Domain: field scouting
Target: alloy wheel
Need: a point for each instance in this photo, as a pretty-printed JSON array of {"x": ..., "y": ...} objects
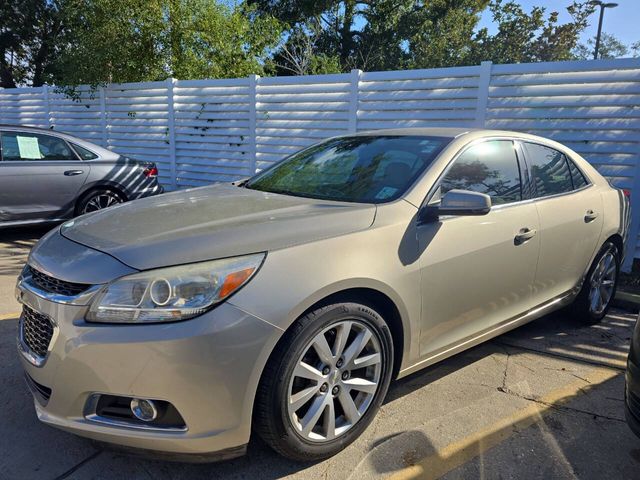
[
  {"x": 334, "y": 380},
  {"x": 602, "y": 283},
  {"x": 100, "y": 201}
]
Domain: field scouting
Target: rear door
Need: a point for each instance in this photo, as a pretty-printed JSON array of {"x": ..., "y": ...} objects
[
  {"x": 40, "y": 176},
  {"x": 570, "y": 211}
]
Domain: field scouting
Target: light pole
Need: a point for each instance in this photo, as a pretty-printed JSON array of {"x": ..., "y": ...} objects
[{"x": 602, "y": 5}]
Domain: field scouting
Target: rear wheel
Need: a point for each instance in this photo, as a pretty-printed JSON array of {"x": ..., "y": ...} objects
[
  {"x": 324, "y": 382},
  {"x": 99, "y": 200},
  {"x": 599, "y": 288}
]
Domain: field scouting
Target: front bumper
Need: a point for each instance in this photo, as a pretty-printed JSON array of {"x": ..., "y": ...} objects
[{"x": 207, "y": 367}]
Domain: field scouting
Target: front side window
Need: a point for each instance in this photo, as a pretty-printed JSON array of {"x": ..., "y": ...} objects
[
  {"x": 549, "y": 170},
  {"x": 366, "y": 169},
  {"x": 489, "y": 167},
  {"x": 27, "y": 146}
]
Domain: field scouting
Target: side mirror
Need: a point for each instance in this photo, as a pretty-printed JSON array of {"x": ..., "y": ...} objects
[{"x": 458, "y": 202}]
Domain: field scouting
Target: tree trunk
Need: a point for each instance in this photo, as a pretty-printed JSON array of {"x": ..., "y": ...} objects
[
  {"x": 346, "y": 35},
  {"x": 6, "y": 77},
  {"x": 39, "y": 64}
]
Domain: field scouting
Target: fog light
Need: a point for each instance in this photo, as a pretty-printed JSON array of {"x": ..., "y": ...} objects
[{"x": 144, "y": 410}]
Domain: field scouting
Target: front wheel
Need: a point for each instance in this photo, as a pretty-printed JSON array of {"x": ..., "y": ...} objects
[
  {"x": 599, "y": 288},
  {"x": 325, "y": 381}
]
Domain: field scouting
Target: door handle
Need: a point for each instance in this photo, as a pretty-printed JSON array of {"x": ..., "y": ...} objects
[
  {"x": 524, "y": 235},
  {"x": 73, "y": 173},
  {"x": 590, "y": 216}
]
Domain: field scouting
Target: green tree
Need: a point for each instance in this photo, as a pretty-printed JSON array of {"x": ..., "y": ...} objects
[
  {"x": 31, "y": 34},
  {"x": 383, "y": 34},
  {"x": 139, "y": 40},
  {"x": 610, "y": 47},
  {"x": 396, "y": 34},
  {"x": 298, "y": 55},
  {"x": 529, "y": 37},
  {"x": 441, "y": 32}
]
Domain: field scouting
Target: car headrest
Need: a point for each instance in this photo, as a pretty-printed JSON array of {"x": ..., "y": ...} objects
[{"x": 397, "y": 174}]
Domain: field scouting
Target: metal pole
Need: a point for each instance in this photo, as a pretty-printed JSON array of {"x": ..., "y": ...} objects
[{"x": 595, "y": 53}]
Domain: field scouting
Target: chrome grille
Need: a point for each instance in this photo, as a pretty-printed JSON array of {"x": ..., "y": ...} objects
[
  {"x": 55, "y": 285},
  {"x": 37, "y": 331}
]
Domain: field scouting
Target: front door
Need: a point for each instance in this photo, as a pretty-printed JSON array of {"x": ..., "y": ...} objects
[
  {"x": 40, "y": 176},
  {"x": 478, "y": 271}
]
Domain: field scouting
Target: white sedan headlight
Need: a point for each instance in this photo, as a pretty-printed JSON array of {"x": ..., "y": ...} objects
[{"x": 174, "y": 293}]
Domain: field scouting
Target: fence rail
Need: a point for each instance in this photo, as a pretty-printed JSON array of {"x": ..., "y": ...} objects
[{"x": 203, "y": 131}]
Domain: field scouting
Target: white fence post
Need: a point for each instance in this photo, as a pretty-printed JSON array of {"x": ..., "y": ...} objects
[
  {"x": 45, "y": 95},
  {"x": 353, "y": 100},
  {"x": 171, "y": 133},
  {"x": 253, "y": 98},
  {"x": 103, "y": 118},
  {"x": 483, "y": 94}
]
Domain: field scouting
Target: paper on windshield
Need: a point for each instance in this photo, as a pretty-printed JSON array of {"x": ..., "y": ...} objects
[{"x": 28, "y": 147}]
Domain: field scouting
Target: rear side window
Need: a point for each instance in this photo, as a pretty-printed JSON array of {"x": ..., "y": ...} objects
[
  {"x": 549, "y": 170},
  {"x": 489, "y": 167},
  {"x": 84, "y": 153},
  {"x": 27, "y": 146},
  {"x": 576, "y": 175}
]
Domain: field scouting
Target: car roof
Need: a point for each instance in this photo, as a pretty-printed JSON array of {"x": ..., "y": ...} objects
[
  {"x": 26, "y": 127},
  {"x": 101, "y": 151},
  {"x": 463, "y": 134},
  {"x": 450, "y": 132}
]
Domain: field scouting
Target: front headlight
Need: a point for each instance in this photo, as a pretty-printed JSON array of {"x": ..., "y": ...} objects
[{"x": 174, "y": 293}]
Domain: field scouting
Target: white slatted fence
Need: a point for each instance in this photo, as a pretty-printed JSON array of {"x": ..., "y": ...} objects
[{"x": 204, "y": 131}]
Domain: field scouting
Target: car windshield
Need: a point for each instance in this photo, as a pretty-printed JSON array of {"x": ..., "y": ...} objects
[{"x": 364, "y": 169}]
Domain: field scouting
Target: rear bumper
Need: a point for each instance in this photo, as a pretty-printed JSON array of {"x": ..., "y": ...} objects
[{"x": 149, "y": 191}]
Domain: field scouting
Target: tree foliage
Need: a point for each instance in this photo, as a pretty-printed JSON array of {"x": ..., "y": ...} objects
[
  {"x": 298, "y": 55},
  {"x": 395, "y": 34},
  {"x": 610, "y": 47},
  {"x": 383, "y": 34},
  {"x": 97, "y": 41},
  {"x": 30, "y": 41},
  {"x": 529, "y": 37},
  {"x": 72, "y": 42},
  {"x": 136, "y": 40}
]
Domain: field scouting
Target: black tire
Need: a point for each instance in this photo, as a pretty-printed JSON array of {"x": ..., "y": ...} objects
[
  {"x": 581, "y": 308},
  {"x": 271, "y": 418},
  {"x": 85, "y": 201}
]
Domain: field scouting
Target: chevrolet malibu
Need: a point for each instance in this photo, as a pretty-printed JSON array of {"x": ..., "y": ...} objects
[{"x": 285, "y": 304}]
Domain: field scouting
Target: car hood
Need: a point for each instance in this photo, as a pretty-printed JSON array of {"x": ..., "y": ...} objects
[{"x": 212, "y": 222}]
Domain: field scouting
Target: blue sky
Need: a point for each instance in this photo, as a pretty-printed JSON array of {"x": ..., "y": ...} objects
[{"x": 621, "y": 21}]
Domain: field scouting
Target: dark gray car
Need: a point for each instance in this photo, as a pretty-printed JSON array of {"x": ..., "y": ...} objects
[{"x": 48, "y": 176}]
